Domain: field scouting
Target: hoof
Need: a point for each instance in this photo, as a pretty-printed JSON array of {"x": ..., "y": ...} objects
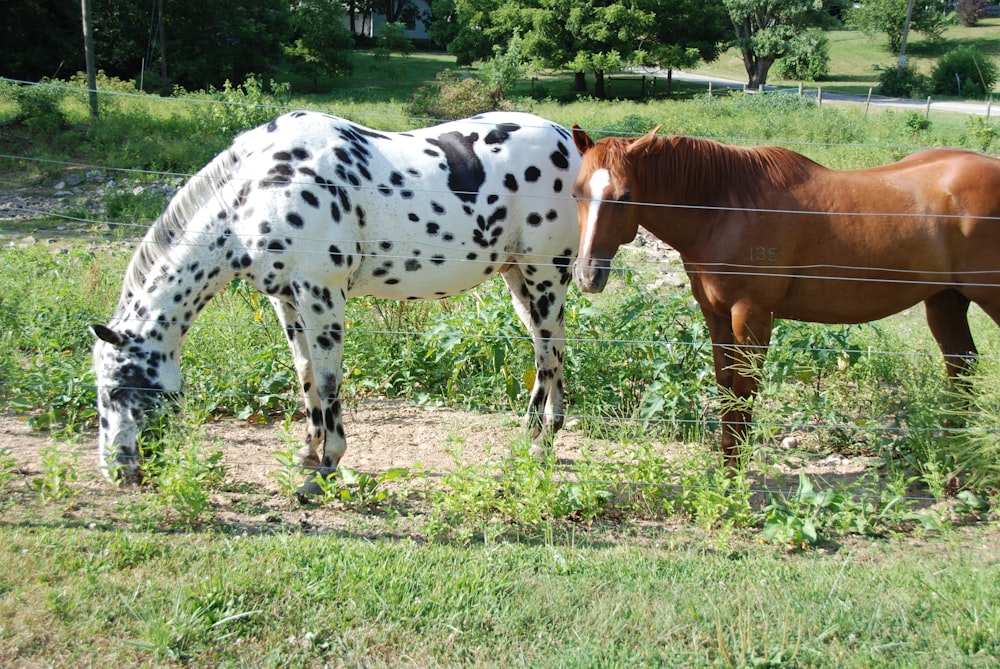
[
  {"x": 311, "y": 488},
  {"x": 538, "y": 451}
]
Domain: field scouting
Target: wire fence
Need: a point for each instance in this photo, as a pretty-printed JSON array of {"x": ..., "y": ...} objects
[{"x": 88, "y": 230}]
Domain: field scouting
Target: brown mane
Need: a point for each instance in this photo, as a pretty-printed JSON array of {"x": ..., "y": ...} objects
[{"x": 698, "y": 170}]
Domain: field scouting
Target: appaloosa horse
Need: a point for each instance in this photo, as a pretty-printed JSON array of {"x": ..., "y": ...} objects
[
  {"x": 766, "y": 233},
  {"x": 312, "y": 209}
]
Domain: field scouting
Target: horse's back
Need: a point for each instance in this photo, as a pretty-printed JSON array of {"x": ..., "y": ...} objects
[{"x": 418, "y": 214}]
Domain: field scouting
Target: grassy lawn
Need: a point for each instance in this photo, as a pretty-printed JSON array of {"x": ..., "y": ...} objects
[
  {"x": 74, "y": 594},
  {"x": 855, "y": 58}
]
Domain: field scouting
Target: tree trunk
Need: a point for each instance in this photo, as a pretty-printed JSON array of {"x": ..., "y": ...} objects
[
  {"x": 599, "y": 91},
  {"x": 162, "y": 33},
  {"x": 757, "y": 69}
]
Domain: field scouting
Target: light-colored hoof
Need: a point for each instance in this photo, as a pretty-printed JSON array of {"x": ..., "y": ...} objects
[{"x": 537, "y": 452}]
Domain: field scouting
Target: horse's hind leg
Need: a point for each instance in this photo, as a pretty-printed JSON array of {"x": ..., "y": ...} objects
[
  {"x": 308, "y": 456},
  {"x": 539, "y": 296},
  {"x": 947, "y": 316},
  {"x": 315, "y": 331}
]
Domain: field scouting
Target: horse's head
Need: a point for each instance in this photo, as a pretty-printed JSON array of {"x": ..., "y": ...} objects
[
  {"x": 133, "y": 375},
  {"x": 603, "y": 191}
]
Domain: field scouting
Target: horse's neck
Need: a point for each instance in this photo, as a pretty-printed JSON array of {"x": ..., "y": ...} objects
[
  {"x": 691, "y": 183},
  {"x": 175, "y": 284}
]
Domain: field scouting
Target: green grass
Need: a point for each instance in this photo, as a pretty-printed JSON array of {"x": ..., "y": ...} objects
[{"x": 73, "y": 596}]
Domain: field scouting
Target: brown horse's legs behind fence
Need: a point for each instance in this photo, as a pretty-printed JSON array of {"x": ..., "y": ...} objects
[
  {"x": 739, "y": 344},
  {"x": 947, "y": 316}
]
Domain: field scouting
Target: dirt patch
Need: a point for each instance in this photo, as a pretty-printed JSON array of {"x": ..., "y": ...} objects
[{"x": 390, "y": 434}]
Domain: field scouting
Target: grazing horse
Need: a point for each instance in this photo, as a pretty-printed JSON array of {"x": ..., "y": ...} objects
[
  {"x": 766, "y": 233},
  {"x": 311, "y": 209}
]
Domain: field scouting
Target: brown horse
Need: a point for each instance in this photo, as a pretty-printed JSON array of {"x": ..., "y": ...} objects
[{"x": 766, "y": 233}]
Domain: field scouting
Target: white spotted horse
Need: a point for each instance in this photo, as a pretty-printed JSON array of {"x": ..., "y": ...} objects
[{"x": 311, "y": 209}]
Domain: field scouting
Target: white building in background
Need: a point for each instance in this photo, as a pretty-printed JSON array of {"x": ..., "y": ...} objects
[{"x": 370, "y": 23}]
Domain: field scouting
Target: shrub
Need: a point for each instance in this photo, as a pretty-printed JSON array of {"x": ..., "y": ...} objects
[
  {"x": 39, "y": 105},
  {"x": 904, "y": 83},
  {"x": 970, "y": 11},
  {"x": 809, "y": 60},
  {"x": 241, "y": 107},
  {"x": 965, "y": 72},
  {"x": 453, "y": 96},
  {"x": 506, "y": 67},
  {"x": 392, "y": 40}
]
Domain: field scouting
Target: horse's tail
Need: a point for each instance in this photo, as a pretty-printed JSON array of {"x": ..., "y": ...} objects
[{"x": 170, "y": 226}]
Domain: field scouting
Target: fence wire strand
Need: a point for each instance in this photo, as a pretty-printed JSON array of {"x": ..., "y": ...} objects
[{"x": 660, "y": 266}]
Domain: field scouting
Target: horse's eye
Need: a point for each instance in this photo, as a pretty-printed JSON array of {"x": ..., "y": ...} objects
[{"x": 626, "y": 196}]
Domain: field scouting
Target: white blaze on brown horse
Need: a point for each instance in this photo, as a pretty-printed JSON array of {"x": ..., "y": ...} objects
[{"x": 767, "y": 233}]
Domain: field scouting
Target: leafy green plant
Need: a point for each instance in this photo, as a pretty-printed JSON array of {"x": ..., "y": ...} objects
[
  {"x": 809, "y": 515},
  {"x": 8, "y": 469},
  {"x": 486, "y": 349},
  {"x": 240, "y": 107},
  {"x": 519, "y": 489},
  {"x": 907, "y": 82},
  {"x": 980, "y": 133},
  {"x": 288, "y": 475},
  {"x": 965, "y": 72},
  {"x": 361, "y": 490},
  {"x": 67, "y": 399},
  {"x": 184, "y": 474},
  {"x": 60, "y": 470},
  {"x": 40, "y": 106},
  {"x": 712, "y": 496},
  {"x": 506, "y": 67},
  {"x": 392, "y": 39},
  {"x": 656, "y": 368},
  {"x": 799, "y": 519},
  {"x": 453, "y": 96}
]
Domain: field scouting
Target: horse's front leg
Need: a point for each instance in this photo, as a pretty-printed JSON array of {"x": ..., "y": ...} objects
[
  {"x": 315, "y": 331},
  {"x": 540, "y": 303},
  {"x": 739, "y": 343}
]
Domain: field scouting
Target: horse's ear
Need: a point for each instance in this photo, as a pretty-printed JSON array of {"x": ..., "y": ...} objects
[
  {"x": 583, "y": 141},
  {"x": 106, "y": 334},
  {"x": 643, "y": 142}
]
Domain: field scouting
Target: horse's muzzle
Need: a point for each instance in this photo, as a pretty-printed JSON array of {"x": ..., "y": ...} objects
[{"x": 591, "y": 275}]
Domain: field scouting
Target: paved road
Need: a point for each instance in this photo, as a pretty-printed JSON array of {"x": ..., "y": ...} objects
[{"x": 977, "y": 108}]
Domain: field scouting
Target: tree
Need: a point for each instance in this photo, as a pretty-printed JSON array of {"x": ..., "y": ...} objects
[
  {"x": 808, "y": 58},
  {"x": 766, "y": 30},
  {"x": 396, "y": 11},
  {"x": 466, "y": 28},
  {"x": 41, "y": 39},
  {"x": 887, "y": 17},
  {"x": 686, "y": 32},
  {"x": 322, "y": 44},
  {"x": 584, "y": 36},
  {"x": 210, "y": 42}
]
